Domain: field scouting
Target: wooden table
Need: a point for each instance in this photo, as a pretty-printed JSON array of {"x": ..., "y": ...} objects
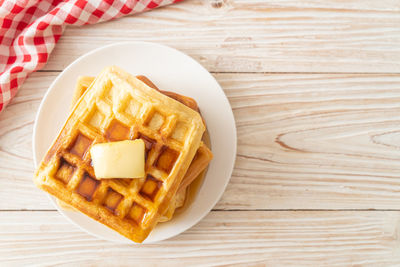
[{"x": 315, "y": 90}]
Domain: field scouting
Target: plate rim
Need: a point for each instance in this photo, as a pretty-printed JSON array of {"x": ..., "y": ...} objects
[{"x": 94, "y": 51}]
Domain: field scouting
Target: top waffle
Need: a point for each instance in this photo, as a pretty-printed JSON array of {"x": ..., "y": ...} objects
[
  {"x": 199, "y": 163},
  {"x": 118, "y": 106}
]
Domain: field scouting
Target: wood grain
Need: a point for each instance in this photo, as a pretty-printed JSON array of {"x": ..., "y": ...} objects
[
  {"x": 291, "y": 238},
  {"x": 258, "y": 36},
  {"x": 17, "y": 190},
  {"x": 322, "y": 143},
  {"x": 315, "y": 141},
  {"x": 305, "y": 141}
]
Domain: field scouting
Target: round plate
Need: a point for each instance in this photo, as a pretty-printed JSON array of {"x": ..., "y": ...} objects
[{"x": 170, "y": 70}]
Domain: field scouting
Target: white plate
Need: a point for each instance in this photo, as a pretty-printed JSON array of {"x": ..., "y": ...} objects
[{"x": 170, "y": 70}]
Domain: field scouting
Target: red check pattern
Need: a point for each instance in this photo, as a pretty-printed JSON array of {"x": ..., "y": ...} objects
[{"x": 31, "y": 28}]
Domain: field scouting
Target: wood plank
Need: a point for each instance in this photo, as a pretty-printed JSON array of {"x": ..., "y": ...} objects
[
  {"x": 258, "y": 36},
  {"x": 305, "y": 141},
  {"x": 291, "y": 238},
  {"x": 315, "y": 141},
  {"x": 17, "y": 190}
]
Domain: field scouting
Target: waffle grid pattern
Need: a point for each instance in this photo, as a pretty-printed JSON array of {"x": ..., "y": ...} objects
[
  {"x": 103, "y": 127},
  {"x": 198, "y": 165},
  {"x": 110, "y": 115}
]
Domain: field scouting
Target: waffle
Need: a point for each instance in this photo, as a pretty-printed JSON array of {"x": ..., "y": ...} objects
[
  {"x": 115, "y": 107},
  {"x": 200, "y": 162}
]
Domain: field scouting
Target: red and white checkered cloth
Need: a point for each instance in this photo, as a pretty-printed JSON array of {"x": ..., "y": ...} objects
[{"x": 31, "y": 28}]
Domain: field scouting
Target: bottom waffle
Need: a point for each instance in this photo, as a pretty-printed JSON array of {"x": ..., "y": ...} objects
[{"x": 198, "y": 165}]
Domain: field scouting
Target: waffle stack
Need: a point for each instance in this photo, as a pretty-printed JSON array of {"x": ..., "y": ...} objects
[
  {"x": 118, "y": 106},
  {"x": 198, "y": 165}
]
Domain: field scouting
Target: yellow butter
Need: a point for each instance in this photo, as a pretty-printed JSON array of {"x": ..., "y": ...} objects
[{"x": 124, "y": 159}]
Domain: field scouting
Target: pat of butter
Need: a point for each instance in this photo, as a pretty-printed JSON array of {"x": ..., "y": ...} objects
[{"x": 124, "y": 159}]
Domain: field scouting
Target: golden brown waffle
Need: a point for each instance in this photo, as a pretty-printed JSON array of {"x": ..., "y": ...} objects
[
  {"x": 199, "y": 164},
  {"x": 118, "y": 106}
]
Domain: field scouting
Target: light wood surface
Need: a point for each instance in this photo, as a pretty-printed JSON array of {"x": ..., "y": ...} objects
[
  {"x": 285, "y": 238},
  {"x": 259, "y": 35},
  {"x": 315, "y": 90}
]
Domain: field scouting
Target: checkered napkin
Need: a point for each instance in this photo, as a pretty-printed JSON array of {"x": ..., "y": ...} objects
[{"x": 31, "y": 28}]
